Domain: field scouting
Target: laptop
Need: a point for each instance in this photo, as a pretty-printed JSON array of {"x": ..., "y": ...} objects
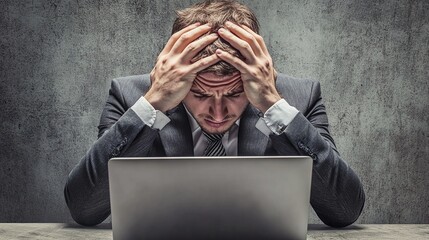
[{"x": 210, "y": 197}]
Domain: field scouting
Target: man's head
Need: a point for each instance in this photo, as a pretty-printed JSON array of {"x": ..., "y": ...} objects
[
  {"x": 217, "y": 97},
  {"x": 217, "y": 13}
]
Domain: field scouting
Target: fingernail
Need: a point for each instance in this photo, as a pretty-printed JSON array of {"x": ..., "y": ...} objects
[
  {"x": 218, "y": 52},
  {"x": 228, "y": 24},
  {"x": 221, "y": 30}
]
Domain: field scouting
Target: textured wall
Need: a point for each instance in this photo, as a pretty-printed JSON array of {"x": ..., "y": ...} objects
[{"x": 58, "y": 58}]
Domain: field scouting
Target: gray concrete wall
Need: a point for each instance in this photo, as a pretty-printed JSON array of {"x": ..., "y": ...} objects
[{"x": 58, "y": 58}]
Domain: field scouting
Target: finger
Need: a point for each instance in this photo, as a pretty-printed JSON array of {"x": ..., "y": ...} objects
[
  {"x": 176, "y": 36},
  {"x": 258, "y": 38},
  {"x": 241, "y": 45},
  {"x": 188, "y": 37},
  {"x": 234, "y": 61},
  {"x": 246, "y": 36},
  {"x": 193, "y": 48},
  {"x": 204, "y": 63}
]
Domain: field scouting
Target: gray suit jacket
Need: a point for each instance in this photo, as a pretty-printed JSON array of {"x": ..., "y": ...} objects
[{"x": 337, "y": 195}]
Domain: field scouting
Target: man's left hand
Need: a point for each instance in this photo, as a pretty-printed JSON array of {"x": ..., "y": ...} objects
[{"x": 257, "y": 72}]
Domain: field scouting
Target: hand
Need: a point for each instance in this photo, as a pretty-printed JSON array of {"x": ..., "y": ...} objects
[
  {"x": 174, "y": 73},
  {"x": 257, "y": 72}
]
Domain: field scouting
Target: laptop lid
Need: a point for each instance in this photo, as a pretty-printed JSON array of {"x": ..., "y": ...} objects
[{"x": 210, "y": 197}]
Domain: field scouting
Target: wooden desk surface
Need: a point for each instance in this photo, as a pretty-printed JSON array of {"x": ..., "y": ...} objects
[{"x": 73, "y": 231}]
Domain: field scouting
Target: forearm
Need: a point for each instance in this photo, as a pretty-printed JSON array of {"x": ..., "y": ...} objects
[
  {"x": 87, "y": 188},
  {"x": 337, "y": 194}
]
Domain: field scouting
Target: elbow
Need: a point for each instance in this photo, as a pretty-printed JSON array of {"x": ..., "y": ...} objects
[
  {"x": 350, "y": 214},
  {"x": 82, "y": 215},
  {"x": 85, "y": 221},
  {"x": 86, "y": 218},
  {"x": 340, "y": 221}
]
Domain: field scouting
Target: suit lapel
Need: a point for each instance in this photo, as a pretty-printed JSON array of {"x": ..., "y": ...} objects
[
  {"x": 251, "y": 141},
  {"x": 176, "y": 136}
]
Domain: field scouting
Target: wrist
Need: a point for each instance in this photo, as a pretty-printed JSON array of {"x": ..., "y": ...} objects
[
  {"x": 156, "y": 101},
  {"x": 269, "y": 102}
]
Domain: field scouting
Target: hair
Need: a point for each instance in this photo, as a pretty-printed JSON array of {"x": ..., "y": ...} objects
[{"x": 216, "y": 12}]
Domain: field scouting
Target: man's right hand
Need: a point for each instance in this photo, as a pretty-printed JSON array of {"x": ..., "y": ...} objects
[{"x": 174, "y": 73}]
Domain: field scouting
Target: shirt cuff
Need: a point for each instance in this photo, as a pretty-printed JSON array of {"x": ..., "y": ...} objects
[
  {"x": 278, "y": 116},
  {"x": 147, "y": 113}
]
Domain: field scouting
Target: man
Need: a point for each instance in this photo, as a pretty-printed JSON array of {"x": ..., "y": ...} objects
[{"x": 214, "y": 91}]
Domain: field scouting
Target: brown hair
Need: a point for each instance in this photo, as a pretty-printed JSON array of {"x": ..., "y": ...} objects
[{"x": 216, "y": 12}]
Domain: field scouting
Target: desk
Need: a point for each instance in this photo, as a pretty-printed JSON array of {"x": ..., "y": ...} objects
[{"x": 38, "y": 231}]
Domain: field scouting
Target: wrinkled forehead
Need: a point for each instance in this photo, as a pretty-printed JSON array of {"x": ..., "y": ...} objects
[{"x": 210, "y": 81}]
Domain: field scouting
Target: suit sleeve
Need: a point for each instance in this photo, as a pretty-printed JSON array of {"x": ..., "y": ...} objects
[
  {"x": 87, "y": 187},
  {"x": 337, "y": 195}
]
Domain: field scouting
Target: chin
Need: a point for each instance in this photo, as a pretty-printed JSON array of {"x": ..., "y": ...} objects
[{"x": 215, "y": 131}]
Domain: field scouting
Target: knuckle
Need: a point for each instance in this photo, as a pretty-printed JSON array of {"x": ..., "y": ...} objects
[
  {"x": 202, "y": 63},
  {"x": 166, "y": 68},
  {"x": 185, "y": 37},
  {"x": 267, "y": 64},
  {"x": 161, "y": 60},
  {"x": 254, "y": 73},
  {"x": 205, "y": 61},
  {"x": 236, "y": 61},
  {"x": 264, "y": 66},
  {"x": 178, "y": 72},
  {"x": 264, "y": 70},
  {"x": 245, "y": 45},
  {"x": 191, "y": 47},
  {"x": 175, "y": 35},
  {"x": 250, "y": 37},
  {"x": 259, "y": 38}
]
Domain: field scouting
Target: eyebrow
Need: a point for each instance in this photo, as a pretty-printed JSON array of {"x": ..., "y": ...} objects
[{"x": 199, "y": 92}]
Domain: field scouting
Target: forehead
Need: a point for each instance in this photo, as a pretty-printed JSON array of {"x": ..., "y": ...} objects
[{"x": 210, "y": 82}]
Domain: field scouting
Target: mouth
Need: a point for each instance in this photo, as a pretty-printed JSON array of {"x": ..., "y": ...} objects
[{"x": 215, "y": 124}]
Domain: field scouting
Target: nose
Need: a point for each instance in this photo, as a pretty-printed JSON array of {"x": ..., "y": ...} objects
[{"x": 218, "y": 109}]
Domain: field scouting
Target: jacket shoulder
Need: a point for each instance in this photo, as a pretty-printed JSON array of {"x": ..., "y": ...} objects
[
  {"x": 285, "y": 82},
  {"x": 130, "y": 88},
  {"x": 298, "y": 92},
  {"x": 135, "y": 81}
]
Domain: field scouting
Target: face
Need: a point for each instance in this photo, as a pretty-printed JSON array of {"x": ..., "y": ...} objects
[{"x": 216, "y": 102}]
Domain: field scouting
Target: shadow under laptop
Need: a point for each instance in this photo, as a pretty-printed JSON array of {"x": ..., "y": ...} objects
[
  {"x": 106, "y": 226},
  {"x": 311, "y": 227},
  {"x": 322, "y": 227}
]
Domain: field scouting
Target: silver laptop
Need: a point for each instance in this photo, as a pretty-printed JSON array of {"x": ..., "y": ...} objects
[{"x": 210, "y": 197}]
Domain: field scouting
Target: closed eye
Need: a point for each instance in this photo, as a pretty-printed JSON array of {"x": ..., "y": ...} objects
[
  {"x": 201, "y": 96},
  {"x": 234, "y": 94}
]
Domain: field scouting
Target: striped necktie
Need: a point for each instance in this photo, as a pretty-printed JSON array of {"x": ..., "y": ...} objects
[{"x": 215, "y": 147}]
